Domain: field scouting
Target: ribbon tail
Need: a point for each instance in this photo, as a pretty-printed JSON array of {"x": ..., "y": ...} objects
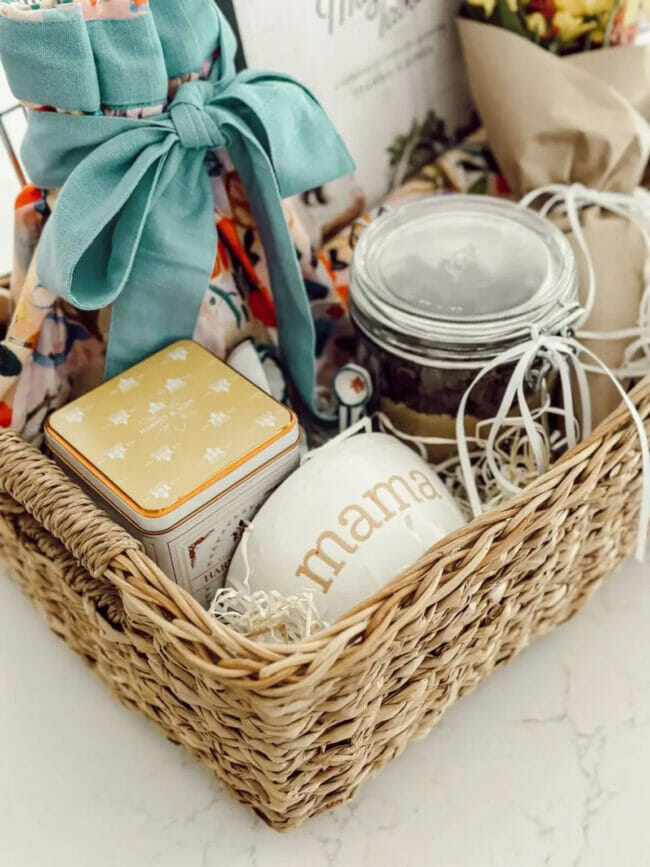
[
  {"x": 135, "y": 207},
  {"x": 287, "y": 120},
  {"x": 295, "y": 323},
  {"x": 282, "y": 143},
  {"x": 105, "y": 198},
  {"x": 161, "y": 302}
]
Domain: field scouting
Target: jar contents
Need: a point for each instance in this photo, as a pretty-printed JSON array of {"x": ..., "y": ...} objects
[{"x": 439, "y": 289}]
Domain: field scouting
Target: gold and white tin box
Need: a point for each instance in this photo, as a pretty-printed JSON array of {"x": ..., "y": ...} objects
[{"x": 181, "y": 450}]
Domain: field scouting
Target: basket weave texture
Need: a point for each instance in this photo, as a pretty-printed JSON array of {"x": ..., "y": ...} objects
[{"x": 292, "y": 730}]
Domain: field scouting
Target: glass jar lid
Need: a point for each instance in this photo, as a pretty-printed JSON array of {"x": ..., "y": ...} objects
[{"x": 462, "y": 275}]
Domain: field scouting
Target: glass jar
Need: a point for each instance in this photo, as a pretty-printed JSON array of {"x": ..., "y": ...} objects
[{"x": 441, "y": 287}]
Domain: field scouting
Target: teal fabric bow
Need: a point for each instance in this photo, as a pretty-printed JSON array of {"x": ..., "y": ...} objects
[{"x": 134, "y": 222}]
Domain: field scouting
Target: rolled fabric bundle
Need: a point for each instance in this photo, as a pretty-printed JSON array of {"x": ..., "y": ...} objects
[
  {"x": 83, "y": 57},
  {"x": 111, "y": 211},
  {"x": 52, "y": 51}
]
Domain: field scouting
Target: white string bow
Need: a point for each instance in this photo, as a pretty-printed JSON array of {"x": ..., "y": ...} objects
[
  {"x": 564, "y": 354},
  {"x": 569, "y": 201}
]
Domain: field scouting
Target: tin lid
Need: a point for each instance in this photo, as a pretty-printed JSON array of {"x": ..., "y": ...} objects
[
  {"x": 177, "y": 424},
  {"x": 458, "y": 272}
]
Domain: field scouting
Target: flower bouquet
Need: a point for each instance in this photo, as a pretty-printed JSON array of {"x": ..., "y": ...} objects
[{"x": 563, "y": 26}]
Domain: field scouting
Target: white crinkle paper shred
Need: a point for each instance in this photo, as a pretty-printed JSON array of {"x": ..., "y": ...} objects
[{"x": 268, "y": 617}]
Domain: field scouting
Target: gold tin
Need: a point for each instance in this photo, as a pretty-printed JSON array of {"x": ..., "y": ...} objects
[{"x": 182, "y": 451}]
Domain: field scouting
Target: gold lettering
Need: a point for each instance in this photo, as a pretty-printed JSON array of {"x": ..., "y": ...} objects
[
  {"x": 363, "y": 519},
  {"x": 425, "y": 485},
  {"x": 318, "y": 553},
  {"x": 390, "y": 488}
]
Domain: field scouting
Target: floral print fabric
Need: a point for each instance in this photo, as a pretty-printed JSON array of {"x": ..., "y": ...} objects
[
  {"x": 91, "y": 9},
  {"x": 52, "y": 352}
]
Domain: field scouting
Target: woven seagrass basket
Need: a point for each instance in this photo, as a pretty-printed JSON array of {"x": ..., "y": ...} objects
[{"x": 293, "y": 730}]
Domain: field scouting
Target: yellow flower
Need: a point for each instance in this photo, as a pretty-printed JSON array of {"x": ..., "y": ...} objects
[
  {"x": 581, "y": 8},
  {"x": 537, "y": 24},
  {"x": 512, "y": 5},
  {"x": 570, "y": 27},
  {"x": 487, "y": 6}
]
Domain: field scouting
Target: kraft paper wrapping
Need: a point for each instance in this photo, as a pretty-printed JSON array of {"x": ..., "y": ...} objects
[
  {"x": 579, "y": 119},
  {"x": 625, "y": 68},
  {"x": 618, "y": 253},
  {"x": 553, "y": 120}
]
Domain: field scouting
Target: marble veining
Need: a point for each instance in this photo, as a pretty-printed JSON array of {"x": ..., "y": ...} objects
[{"x": 546, "y": 763}]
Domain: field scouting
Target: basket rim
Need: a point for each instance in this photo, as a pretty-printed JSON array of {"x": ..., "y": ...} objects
[
  {"x": 366, "y": 618},
  {"x": 219, "y": 651}
]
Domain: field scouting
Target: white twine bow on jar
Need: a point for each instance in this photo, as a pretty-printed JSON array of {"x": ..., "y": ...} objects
[
  {"x": 564, "y": 353},
  {"x": 569, "y": 201}
]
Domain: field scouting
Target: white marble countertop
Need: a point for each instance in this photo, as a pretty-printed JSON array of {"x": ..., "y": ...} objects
[{"x": 547, "y": 763}]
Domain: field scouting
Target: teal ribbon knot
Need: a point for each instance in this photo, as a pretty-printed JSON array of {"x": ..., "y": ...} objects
[
  {"x": 134, "y": 224},
  {"x": 195, "y": 128}
]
